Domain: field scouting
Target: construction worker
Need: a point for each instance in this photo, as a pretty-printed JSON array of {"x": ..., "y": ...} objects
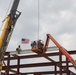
[
  {"x": 40, "y": 45},
  {"x": 18, "y": 49},
  {"x": 33, "y": 44}
]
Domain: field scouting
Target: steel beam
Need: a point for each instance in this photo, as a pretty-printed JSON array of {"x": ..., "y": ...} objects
[
  {"x": 49, "y": 64},
  {"x": 35, "y": 55}
]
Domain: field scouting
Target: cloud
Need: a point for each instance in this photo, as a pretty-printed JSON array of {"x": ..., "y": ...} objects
[{"x": 56, "y": 17}]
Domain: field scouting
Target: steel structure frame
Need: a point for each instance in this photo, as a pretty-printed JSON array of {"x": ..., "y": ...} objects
[{"x": 63, "y": 69}]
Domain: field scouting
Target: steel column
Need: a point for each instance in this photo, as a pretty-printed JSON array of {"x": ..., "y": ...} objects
[
  {"x": 18, "y": 66},
  {"x": 60, "y": 58},
  {"x": 8, "y": 64},
  {"x": 55, "y": 69},
  {"x": 67, "y": 68}
]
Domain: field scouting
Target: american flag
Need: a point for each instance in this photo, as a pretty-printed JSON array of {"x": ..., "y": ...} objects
[{"x": 25, "y": 41}]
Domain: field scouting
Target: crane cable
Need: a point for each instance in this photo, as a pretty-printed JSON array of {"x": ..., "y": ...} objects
[
  {"x": 6, "y": 12},
  {"x": 38, "y": 19}
]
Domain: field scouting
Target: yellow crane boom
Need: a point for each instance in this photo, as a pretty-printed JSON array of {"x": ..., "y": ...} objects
[{"x": 9, "y": 25}]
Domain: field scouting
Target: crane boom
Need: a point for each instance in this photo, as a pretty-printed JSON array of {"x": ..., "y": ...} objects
[
  {"x": 10, "y": 21},
  {"x": 62, "y": 50}
]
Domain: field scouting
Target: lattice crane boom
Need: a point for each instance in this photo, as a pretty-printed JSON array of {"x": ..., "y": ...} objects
[{"x": 10, "y": 21}]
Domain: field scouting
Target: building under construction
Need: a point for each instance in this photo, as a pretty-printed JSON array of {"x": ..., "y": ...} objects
[
  {"x": 39, "y": 60},
  {"x": 51, "y": 63}
]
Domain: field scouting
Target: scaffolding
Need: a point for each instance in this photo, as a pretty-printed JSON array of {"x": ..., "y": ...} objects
[{"x": 54, "y": 61}]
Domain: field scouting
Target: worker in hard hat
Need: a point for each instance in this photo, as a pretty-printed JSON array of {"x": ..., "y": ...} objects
[
  {"x": 40, "y": 45},
  {"x": 18, "y": 49},
  {"x": 33, "y": 44}
]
